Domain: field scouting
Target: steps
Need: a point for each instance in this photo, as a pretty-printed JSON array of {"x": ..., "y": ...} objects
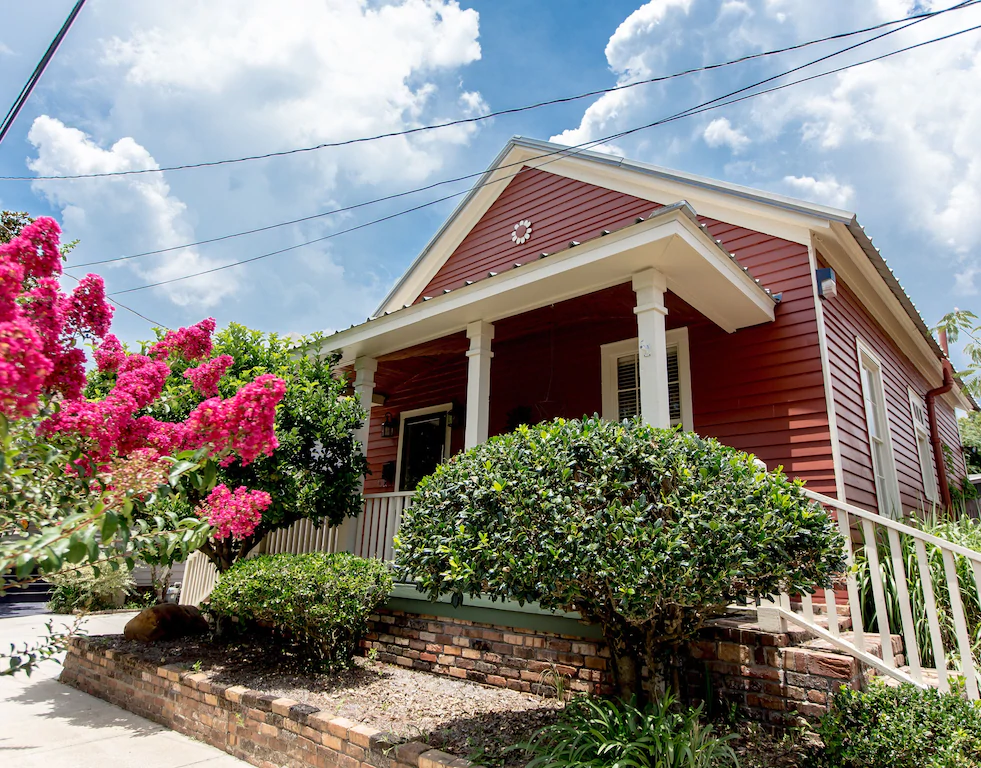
[{"x": 35, "y": 592}]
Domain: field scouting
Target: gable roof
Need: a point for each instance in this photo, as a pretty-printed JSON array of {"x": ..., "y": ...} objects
[{"x": 521, "y": 152}]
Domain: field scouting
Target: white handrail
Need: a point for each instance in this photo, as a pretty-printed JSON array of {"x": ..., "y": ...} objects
[
  {"x": 782, "y": 611},
  {"x": 888, "y": 522}
]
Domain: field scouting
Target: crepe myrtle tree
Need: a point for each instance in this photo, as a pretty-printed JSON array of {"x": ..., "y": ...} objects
[
  {"x": 315, "y": 471},
  {"x": 81, "y": 477},
  {"x": 645, "y": 532}
]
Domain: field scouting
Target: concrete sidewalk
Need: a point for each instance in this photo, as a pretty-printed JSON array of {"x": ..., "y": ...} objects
[{"x": 44, "y": 724}]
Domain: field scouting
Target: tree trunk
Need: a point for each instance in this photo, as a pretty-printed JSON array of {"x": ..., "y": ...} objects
[{"x": 625, "y": 651}]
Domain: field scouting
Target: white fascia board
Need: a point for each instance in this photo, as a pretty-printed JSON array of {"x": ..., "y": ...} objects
[{"x": 555, "y": 279}]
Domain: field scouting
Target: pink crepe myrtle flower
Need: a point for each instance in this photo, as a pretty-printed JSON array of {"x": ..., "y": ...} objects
[
  {"x": 68, "y": 375},
  {"x": 234, "y": 513},
  {"x": 36, "y": 248},
  {"x": 206, "y": 376},
  {"x": 23, "y": 368},
  {"x": 11, "y": 284},
  {"x": 192, "y": 343},
  {"x": 86, "y": 311},
  {"x": 109, "y": 355}
]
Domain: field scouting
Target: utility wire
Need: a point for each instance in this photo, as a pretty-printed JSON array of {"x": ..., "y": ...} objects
[
  {"x": 499, "y": 113},
  {"x": 25, "y": 92},
  {"x": 568, "y": 151},
  {"x": 123, "y": 306},
  {"x": 910, "y": 22}
]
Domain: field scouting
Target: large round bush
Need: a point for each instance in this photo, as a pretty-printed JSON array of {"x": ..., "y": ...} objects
[
  {"x": 317, "y": 603},
  {"x": 646, "y": 532}
]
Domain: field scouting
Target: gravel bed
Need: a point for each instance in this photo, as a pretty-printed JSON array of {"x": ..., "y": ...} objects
[{"x": 474, "y": 721}]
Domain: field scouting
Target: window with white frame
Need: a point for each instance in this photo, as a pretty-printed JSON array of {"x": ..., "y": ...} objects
[
  {"x": 921, "y": 431},
  {"x": 880, "y": 444},
  {"x": 621, "y": 379}
]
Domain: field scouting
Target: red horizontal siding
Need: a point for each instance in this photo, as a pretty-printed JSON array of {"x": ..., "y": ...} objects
[
  {"x": 760, "y": 389},
  {"x": 846, "y": 320}
]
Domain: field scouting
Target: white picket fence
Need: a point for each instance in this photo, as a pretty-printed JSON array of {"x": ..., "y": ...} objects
[
  {"x": 952, "y": 658},
  {"x": 374, "y": 532}
]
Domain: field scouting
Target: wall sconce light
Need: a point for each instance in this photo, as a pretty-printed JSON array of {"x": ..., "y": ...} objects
[
  {"x": 455, "y": 416},
  {"x": 390, "y": 427},
  {"x": 827, "y": 283}
]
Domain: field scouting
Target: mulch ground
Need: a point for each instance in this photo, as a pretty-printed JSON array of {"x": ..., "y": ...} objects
[{"x": 474, "y": 721}]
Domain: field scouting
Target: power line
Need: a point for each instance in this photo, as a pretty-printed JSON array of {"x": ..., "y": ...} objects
[
  {"x": 25, "y": 92},
  {"x": 566, "y": 151},
  {"x": 123, "y": 306},
  {"x": 499, "y": 113},
  {"x": 910, "y": 22}
]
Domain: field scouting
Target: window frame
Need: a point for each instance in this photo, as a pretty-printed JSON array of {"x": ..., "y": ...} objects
[
  {"x": 921, "y": 432},
  {"x": 429, "y": 410},
  {"x": 609, "y": 355},
  {"x": 888, "y": 498}
]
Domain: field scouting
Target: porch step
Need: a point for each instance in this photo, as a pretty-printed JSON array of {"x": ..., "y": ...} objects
[{"x": 35, "y": 592}]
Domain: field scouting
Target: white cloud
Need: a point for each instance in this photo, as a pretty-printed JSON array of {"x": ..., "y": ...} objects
[
  {"x": 309, "y": 71},
  {"x": 141, "y": 205},
  {"x": 192, "y": 81},
  {"x": 902, "y": 129},
  {"x": 5, "y": 50},
  {"x": 827, "y": 190},
  {"x": 720, "y": 133},
  {"x": 634, "y": 52}
]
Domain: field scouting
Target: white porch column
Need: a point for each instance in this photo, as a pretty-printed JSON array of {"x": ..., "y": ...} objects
[
  {"x": 478, "y": 382},
  {"x": 364, "y": 385},
  {"x": 649, "y": 287}
]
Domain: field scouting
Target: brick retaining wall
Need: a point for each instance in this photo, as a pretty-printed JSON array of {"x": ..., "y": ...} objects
[
  {"x": 259, "y": 728},
  {"x": 770, "y": 677}
]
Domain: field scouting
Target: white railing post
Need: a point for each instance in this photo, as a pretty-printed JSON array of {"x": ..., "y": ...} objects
[{"x": 768, "y": 616}]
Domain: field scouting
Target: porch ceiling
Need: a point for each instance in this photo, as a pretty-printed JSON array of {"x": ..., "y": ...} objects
[{"x": 697, "y": 268}]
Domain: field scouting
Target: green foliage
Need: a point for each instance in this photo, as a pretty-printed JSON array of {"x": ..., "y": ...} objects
[
  {"x": 970, "y": 429},
  {"x": 900, "y": 727},
  {"x": 647, "y": 532},
  {"x": 596, "y": 733},
  {"x": 319, "y": 603},
  {"x": 27, "y": 656},
  {"x": 89, "y": 587},
  {"x": 963, "y": 531},
  {"x": 316, "y": 471}
]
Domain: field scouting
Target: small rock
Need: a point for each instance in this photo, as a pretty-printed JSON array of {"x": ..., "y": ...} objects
[{"x": 165, "y": 622}]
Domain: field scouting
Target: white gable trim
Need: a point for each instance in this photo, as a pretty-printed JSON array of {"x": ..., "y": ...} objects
[{"x": 770, "y": 214}]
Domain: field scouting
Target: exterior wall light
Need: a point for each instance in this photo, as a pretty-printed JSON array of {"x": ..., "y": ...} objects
[
  {"x": 390, "y": 427},
  {"x": 827, "y": 283}
]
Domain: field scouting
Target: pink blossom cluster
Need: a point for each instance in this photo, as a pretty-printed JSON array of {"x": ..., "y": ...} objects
[
  {"x": 193, "y": 343},
  {"x": 244, "y": 424},
  {"x": 138, "y": 474},
  {"x": 206, "y": 376},
  {"x": 234, "y": 513},
  {"x": 39, "y": 325},
  {"x": 109, "y": 355}
]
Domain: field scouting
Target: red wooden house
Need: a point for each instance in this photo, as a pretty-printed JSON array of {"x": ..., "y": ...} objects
[{"x": 571, "y": 283}]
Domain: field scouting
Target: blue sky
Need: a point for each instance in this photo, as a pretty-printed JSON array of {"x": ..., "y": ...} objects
[{"x": 898, "y": 142}]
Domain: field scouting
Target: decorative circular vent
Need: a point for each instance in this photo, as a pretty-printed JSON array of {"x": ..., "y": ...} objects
[{"x": 521, "y": 233}]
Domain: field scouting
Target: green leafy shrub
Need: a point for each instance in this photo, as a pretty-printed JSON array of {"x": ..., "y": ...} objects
[
  {"x": 319, "y": 603},
  {"x": 647, "y": 532},
  {"x": 88, "y": 588},
  {"x": 900, "y": 727},
  {"x": 963, "y": 531},
  {"x": 595, "y": 733}
]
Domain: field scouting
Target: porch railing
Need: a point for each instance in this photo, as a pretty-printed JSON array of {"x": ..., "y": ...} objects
[
  {"x": 880, "y": 538},
  {"x": 379, "y": 523},
  {"x": 374, "y": 534}
]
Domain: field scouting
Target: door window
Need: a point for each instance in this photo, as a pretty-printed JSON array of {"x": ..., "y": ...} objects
[{"x": 424, "y": 444}]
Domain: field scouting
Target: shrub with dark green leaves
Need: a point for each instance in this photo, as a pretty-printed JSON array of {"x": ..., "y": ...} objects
[
  {"x": 900, "y": 727},
  {"x": 89, "y": 588},
  {"x": 318, "y": 603},
  {"x": 646, "y": 532},
  {"x": 596, "y": 733}
]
